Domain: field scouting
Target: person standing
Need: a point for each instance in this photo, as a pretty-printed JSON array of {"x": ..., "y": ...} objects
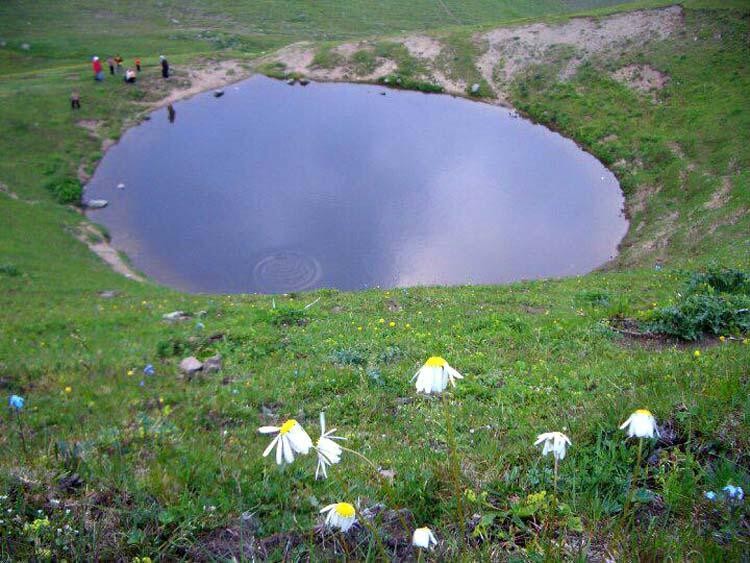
[
  {"x": 171, "y": 113},
  {"x": 111, "y": 63},
  {"x": 164, "y": 66},
  {"x": 138, "y": 64},
  {"x": 118, "y": 62},
  {"x": 96, "y": 64},
  {"x": 75, "y": 100}
]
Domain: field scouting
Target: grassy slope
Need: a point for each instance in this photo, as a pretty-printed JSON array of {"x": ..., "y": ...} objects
[{"x": 535, "y": 355}]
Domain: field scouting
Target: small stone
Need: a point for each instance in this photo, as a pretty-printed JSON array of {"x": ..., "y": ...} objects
[
  {"x": 25, "y": 46},
  {"x": 175, "y": 316},
  {"x": 389, "y": 474},
  {"x": 96, "y": 203},
  {"x": 190, "y": 365},
  {"x": 108, "y": 294},
  {"x": 291, "y": 81},
  {"x": 304, "y": 81},
  {"x": 212, "y": 364},
  {"x": 218, "y": 93},
  {"x": 475, "y": 88}
]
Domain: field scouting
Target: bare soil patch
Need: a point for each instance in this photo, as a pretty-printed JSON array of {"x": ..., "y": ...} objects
[
  {"x": 632, "y": 336},
  {"x": 507, "y": 51},
  {"x": 644, "y": 78},
  {"x": 720, "y": 196},
  {"x": 91, "y": 237},
  {"x": 513, "y": 49}
]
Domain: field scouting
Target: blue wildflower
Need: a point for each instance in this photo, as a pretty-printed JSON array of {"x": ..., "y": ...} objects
[
  {"x": 734, "y": 492},
  {"x": 16, "y": 402},
  {"x": 200, "y": 326},
  {"x": 142, "y": 383},
  {"x": 149, "y": 370},
  {"x": 710, "y": 495}
]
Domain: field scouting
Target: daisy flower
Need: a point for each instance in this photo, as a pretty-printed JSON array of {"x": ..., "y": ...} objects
[
  {"x": 340, "y": 516},
  {"x": 329, "y": 452},
  {"x": 424, "y": 538},
  {"x": 292, "y": 439},
  {"x": 434, "y": 376},
  {"x": 555, "y": 442},
  {"x": 641, "y": 424}
]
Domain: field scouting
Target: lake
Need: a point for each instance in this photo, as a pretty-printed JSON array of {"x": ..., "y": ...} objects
[{"x": 273, "y": 188}]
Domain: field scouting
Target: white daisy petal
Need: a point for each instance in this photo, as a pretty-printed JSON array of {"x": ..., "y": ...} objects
[
  {"x": 554, "y": 442},
  {"x": 270, "y": 446}
]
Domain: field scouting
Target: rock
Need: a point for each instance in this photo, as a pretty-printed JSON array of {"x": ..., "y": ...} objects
[
  {"x": 108, "y": 294},
  {"x": 304, "y": 82},
  {"x": 212, "y": 364},
  {"x": 218, "y": 93},
  {"x": 389, "y": 474},
  {"x": 475, "y": 88},
  {"x": 291, "y": 81},
  {"x": 190, "y": 365},
  {"x": 96, "y": 203},
  {"x": 175, "y": 316},
  {"x": 25, "y": 46},
  {"x": 71, "y": 482}
]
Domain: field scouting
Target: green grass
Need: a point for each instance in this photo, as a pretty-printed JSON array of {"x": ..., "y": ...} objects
[{"x": 165, "y": 466}]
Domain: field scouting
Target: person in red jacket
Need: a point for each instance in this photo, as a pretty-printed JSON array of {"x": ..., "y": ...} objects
[{"x": 96, "y": 64}]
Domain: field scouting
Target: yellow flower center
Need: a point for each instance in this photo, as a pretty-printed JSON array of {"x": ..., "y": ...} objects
[
  {"x": 435, "y": 362},
  {"x": 345, "y": 510},
  {"x": 644, "y": 412},
  {"x": 287, "y": 426}
]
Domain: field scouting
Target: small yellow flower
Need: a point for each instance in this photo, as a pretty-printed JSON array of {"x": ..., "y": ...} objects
[
  {"x": 408, "y": 325},
  {"x": 381, "y": 320},
  {"x": 722, "y": 338},
  {"x": 69, "y": 390},
  {"x": 697, "y": 354},
  {"x": 391, "y": 324},
  {"x": 359, "y": 328},
  {"x": 130, "y": 372}
]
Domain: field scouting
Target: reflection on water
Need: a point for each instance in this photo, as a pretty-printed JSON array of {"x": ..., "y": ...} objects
[{"x": 273, "y": 188}]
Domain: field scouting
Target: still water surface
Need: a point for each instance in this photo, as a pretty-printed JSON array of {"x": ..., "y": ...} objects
[{"x": 273, "y": 188}]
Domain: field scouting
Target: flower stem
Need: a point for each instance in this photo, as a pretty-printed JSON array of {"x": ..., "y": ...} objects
[
  {"x": 555, "y": 476},
  {"x": 455, "y": 468},
  {"x": 20, "y": 433},
  {"x": 633, "y": 484},
  {"x": 375, "y": 467}
]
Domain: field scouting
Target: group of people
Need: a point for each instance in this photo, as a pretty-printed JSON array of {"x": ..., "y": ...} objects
[{"x": 115, "y": 67}]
